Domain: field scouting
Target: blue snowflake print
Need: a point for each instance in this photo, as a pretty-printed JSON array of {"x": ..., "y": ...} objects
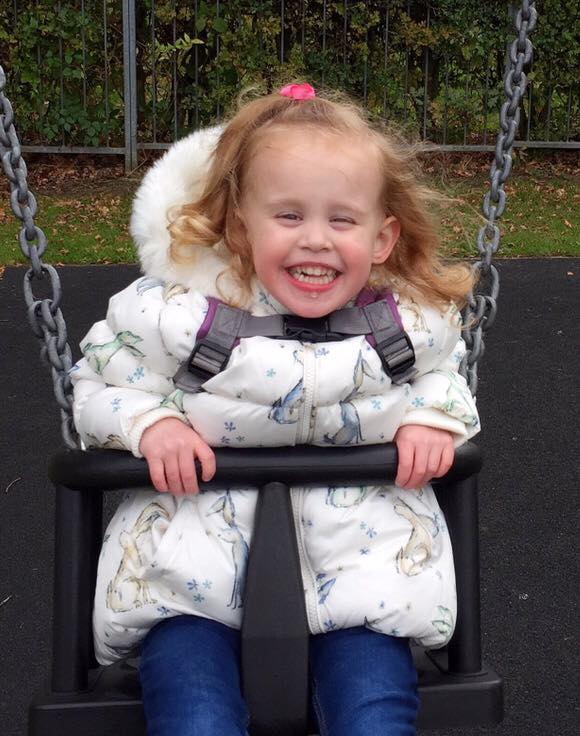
[
  {"x": 270, "y": 372},
  {"x": 419, "y": 401},
  {"x": 198, "y": 598},
  {"x": 365, "y": 551},
  {"x": 136, "y": 375},
  {"x": 192, "y": 584},
  {"x": 430, "y": 342},
  {"x": 240, "y": 438},
  {"x": 457, "y": 355},
  {"x": 382, "y": 605},
  {"x": 368, "y": 530},
  {"x": 330, "y": 625},
  {"x": 116, "y": 404},
  {"x": 381, "y": 436},
  {"x": 307, "y": 523},
  {"x": 230, "y": 426},
  {"x": 322, "y": 351},
  {"x": 207, "y": 584},
  {"x": 225, "y": 440},
  {"x": 407, "y": 391},
  {"x": 263, "y": 297},
  {"x": 163, "y": 610},
  {"x": 394, "y": 632},
  {"x": 376, "y": 404},
  {"x": 439, "y": 522}
]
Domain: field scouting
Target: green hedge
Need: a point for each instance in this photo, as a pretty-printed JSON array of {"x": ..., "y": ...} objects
[{"x": 68, "y": 89}]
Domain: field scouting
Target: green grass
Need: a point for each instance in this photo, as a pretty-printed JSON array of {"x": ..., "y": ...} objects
[
  {"x": 542, "y": 218},
  {"x": 88, "y": 229}
]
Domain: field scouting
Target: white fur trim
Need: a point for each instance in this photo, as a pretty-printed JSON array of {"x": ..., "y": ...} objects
[{"x": 174, "y": 180}]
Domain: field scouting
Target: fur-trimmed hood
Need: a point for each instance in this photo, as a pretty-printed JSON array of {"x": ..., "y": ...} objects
[{"x": 177, "y": 178}]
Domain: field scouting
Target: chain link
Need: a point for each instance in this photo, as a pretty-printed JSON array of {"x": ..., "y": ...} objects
[
  {"x": 44, "y": 314},
  {"x": 481, "y": 308}
]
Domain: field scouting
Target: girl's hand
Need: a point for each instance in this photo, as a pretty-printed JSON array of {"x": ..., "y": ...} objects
[
  {"x": 170, "y": 448},
  {"x": 424, "y": 453}
]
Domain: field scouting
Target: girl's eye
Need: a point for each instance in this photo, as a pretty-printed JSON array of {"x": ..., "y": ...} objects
[
  {"x": 341, "y": 220},
  {"x": 289, "y": 216}
]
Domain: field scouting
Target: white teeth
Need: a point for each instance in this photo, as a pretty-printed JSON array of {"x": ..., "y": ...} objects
[{"x": 313, "y": 274}]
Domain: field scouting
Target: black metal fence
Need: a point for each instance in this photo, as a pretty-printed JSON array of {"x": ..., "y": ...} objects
[{"x": 106, "y": 77}]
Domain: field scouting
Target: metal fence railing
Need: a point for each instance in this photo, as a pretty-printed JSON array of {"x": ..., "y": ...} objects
[{"x": 105, "y": 77}]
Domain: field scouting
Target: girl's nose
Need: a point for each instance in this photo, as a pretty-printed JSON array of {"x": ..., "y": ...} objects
[{"x": 315, "y": 237}]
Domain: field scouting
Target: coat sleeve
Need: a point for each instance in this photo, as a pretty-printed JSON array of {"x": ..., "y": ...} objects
[
  {"x": 123, "y": 383},
  {"x": 439, "y": 396}
]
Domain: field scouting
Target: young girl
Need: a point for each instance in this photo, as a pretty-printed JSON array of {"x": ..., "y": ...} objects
[{"x": 297, "y": 206}]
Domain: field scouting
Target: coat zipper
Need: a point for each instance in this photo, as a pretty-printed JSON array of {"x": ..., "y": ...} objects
[
  {"x": 303, "y": 436},
  {"x": 306, "y": 423},
  {"x": 308, "y": 577}
]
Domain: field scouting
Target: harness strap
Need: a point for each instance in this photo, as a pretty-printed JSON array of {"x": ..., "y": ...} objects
[{"x": 224, "y": 326}]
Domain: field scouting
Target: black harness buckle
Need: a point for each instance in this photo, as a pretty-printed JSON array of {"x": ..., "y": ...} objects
[
  {"x": 207, "y": 359},
  {"x": 397, "y": 354},
  {"x": 307, "y": 329}
]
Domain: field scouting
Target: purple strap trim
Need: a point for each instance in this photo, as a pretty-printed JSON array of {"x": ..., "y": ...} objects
[
  {"x": 367, "y": 296},
  {"x": 212, "y": 303}
]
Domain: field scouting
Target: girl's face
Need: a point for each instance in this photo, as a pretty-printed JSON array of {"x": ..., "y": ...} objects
[{"x": 311, "y": 209}]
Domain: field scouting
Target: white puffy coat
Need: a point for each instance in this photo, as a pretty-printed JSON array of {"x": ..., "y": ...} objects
[{"x": 375, "y": 556}]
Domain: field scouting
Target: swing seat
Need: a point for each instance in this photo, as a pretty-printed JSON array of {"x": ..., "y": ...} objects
[{"x": 456, "y": 688}]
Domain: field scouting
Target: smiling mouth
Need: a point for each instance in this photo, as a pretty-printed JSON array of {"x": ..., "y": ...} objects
[{"x": 313, "y": 274}]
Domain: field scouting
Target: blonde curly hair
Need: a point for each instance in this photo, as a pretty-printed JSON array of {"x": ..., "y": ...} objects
[{"x": 414, "y": 264}]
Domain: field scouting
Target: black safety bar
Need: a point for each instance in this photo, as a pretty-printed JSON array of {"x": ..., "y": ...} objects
[{"x": 274, "y": 632}]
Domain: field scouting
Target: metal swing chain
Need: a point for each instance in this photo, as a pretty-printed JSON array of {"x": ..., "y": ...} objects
[
  {"x": 44, "y": 315},
  {"x": 481, "y": 308}
]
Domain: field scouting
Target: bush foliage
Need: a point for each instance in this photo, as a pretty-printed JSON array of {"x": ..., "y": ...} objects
[{"x": 434, "y": 67}]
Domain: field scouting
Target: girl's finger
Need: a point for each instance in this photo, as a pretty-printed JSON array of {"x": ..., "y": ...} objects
[
  {"x": 173, "y": 475},
  {"x": 447, "y": 459},
  {"x": 405, "y": 452},
  {"x": 206, "y": 457},
  {"x": 157, "y": 474},
  {"x": 434, "y": 464},
  {"x": 187, "y": 471},
  {"x": 420, "y": 457}
]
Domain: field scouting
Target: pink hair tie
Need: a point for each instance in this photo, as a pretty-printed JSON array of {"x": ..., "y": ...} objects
[{"x": 298, "y": 91}]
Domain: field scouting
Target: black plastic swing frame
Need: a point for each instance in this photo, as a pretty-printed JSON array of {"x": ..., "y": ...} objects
[{"x": 456, "y": 688}]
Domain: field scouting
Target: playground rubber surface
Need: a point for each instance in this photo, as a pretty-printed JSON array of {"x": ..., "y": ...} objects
[{"x": 528, "y": 400}]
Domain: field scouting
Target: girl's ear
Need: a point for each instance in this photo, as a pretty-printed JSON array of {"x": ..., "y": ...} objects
[{"x": 386, "y": 239}]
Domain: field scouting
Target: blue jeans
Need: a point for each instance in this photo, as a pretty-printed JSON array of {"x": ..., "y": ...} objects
[{"x": 363, "y": 683}]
